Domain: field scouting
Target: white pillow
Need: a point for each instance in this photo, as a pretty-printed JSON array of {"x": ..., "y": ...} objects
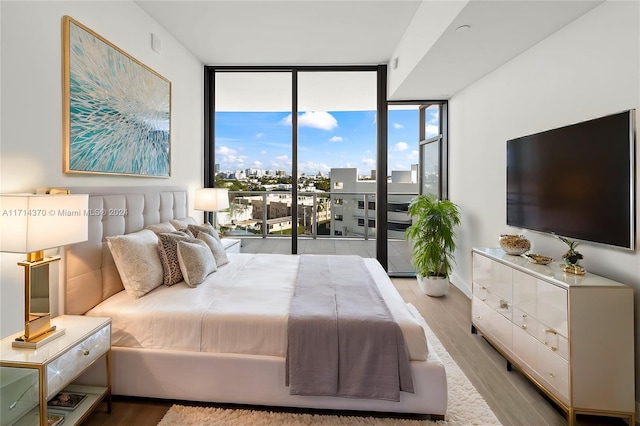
[
  {"x": 161, "y": 227},
  {"x": 183, "y": 223},
  {"x": 216, "y": 248},
  {"x": 196, "y": 261},
  {"x": 138, "y": 262}
]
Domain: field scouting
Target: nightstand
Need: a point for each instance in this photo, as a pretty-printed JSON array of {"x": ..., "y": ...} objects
[
  {"x": 31, "y": 377},
  {"x": 231, "y": 245}
]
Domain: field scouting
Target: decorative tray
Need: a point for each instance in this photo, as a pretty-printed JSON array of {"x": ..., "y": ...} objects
[{"x": 538, "y": 259}]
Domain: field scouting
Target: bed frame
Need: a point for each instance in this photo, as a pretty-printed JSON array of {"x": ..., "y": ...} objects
[{"x": 91, "y": 277}]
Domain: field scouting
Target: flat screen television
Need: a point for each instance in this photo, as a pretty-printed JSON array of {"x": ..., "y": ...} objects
[{"x": 576, "y": 181}]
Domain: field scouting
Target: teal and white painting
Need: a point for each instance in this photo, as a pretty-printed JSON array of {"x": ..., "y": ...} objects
[{"x": 118, "y": 110}]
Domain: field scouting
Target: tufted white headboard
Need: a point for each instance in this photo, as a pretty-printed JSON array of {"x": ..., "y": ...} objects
[{"x": 91, "y": 275}]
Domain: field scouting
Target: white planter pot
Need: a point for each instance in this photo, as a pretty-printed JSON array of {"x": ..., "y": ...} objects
[{"x": 433, "y": 286}]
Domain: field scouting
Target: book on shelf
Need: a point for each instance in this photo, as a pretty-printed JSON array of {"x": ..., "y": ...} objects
[
  {"x": 55, "y": 419},
  {"x": 66, "y": 400}
]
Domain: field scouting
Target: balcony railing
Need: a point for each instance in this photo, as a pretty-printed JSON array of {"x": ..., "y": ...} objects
[{"x": 320, "y": 214}]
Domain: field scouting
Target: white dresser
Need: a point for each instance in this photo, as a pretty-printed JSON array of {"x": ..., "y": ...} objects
[{"x": 572, "y": 335}]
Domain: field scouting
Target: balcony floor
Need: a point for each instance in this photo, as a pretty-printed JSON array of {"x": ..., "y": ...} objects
[{"x": 399, "y": 251}]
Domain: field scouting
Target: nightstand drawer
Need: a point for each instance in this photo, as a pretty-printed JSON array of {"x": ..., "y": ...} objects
[{"x": 67, "y": 367}]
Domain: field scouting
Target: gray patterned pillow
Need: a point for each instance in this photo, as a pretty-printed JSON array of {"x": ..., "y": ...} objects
[
  {"x": 168, "y": 250},
  {"x": 206, "y": 228},
  {"x": 216, "y": 248},
  {"x": 196, "y": 261}
]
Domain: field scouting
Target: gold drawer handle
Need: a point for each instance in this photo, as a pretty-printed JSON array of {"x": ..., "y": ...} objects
[
  {"x": 553, "y": 348},
  {"x": 523, "y": 326},
  {"x": 550, "y": 331},
  {"x": 86, "y": 352},
  {"x": 551, "y": 375}
]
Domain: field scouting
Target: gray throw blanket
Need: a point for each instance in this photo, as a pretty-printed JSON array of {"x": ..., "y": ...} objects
[{"x": 342, "y": 338}]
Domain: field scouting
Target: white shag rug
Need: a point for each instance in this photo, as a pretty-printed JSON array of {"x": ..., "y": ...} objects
[{"x": 466, "y": 406}]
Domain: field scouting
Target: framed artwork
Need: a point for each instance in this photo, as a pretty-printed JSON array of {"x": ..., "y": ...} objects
[{"x": 116, "y": 110}]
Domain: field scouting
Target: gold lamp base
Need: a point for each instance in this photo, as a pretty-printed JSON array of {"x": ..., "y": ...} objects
[
  {"x": 39, "y": 341},
  {"x": 37, "y": 324}
]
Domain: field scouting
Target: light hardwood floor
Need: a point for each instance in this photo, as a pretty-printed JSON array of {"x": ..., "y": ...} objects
[{"x": 512, "y": 398}]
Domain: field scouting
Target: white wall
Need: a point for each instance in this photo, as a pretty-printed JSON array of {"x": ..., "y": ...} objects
[
  {"x": 31, "y": 107},
  {"x": 588, "y": 69}
]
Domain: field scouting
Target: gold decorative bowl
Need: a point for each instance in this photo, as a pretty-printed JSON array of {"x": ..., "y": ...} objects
[
  {"x": 538, "y": 259},
  {"x": 514, "y": 245}
]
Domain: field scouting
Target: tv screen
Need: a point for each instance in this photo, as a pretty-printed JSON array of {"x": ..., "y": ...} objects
[{"x": 576, "y": 181}]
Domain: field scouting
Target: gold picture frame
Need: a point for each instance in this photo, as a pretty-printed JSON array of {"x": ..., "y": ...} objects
[{"x": 116, "y": 110}]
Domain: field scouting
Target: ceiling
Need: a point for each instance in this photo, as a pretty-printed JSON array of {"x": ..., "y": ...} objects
[{"x": 428, "y": 58}]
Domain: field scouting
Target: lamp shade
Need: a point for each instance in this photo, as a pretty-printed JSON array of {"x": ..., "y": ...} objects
[
  {"x": 211, "y": 199},
  {"x": 30, "y": 223}
]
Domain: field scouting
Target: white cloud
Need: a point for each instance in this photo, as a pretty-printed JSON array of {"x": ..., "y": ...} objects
[
  {"x": 263, "y": 152},
  {"x": 432, "y": 130},
  {"x": 336, "y": 139},
  {"x": 368, "y": 161},
  {"x": 224, "y": 150},
  {"x": 401, "y": 146},
  {"x": 413, "y": 155},
  {"x": 398, "y": 126},
  {"x": 257, "y": 163},
  {"x": 281, "y": 162},
  {"x": 312, "y": 167},
  {"x": 315, "y": 119},
  {"x": 259, "y": 135}
]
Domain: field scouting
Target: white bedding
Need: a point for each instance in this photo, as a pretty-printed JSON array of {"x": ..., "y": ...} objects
[{"x": 242, "y": 308}]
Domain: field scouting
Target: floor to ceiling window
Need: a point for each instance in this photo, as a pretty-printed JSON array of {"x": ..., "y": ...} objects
[
  {"x": 337, "y": 143},
  {"x": 252, "y": 154},
  {"x": 303, "y": 151}
]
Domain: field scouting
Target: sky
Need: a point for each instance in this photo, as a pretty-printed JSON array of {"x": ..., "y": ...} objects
[{"x": 326, "y": 139}]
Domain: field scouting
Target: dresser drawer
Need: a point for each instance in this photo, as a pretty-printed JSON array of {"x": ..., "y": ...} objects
[
  {"x": 525, "y": 293},
  {"x": 492, "y": 323},
  {"x": 552, "y": 307},
  {"x": 480, "y": 313},
  {"x": 555, "y": 341},
  {"x": 499, "y": 305},
  {"x": 67, "y": 367},
  {"x": 525, "y": 348},
  {"x": 526, "y": 322},
  {"x": 492, "y": 275},
  {"x": 554, "y": 371}
]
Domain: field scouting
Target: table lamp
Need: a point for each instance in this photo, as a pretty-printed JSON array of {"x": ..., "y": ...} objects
[
  {"x": 30, "y": 224},
  {"x": 211, "y": 200}
]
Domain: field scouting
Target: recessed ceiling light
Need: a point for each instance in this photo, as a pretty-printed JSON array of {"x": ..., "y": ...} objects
[{"x": 463, "y": 28}]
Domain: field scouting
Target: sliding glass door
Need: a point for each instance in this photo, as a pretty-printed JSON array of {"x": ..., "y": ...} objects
[{"x": 416, "y": 154}]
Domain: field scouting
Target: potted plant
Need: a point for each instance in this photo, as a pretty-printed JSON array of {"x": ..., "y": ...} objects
[{"x": 433, "y": 238}]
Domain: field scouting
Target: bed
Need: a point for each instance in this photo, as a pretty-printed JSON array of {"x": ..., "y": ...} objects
[{"x": 236, "y": 350}]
